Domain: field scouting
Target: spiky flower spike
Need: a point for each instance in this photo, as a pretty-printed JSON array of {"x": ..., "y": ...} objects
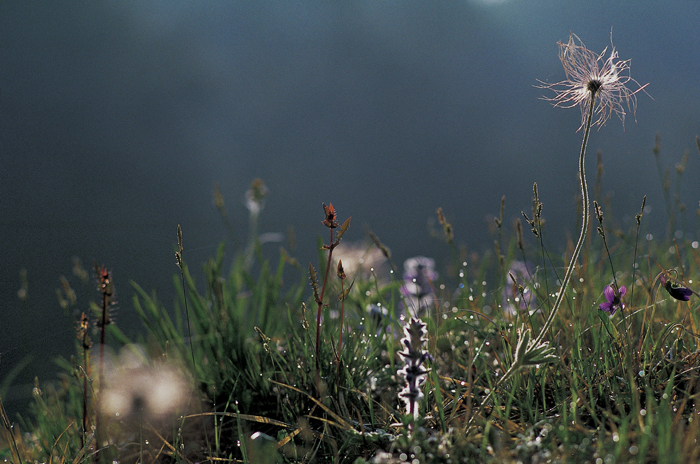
[
  {"x": 413, "y": 371},
  {"x": 589, "y": 74}
]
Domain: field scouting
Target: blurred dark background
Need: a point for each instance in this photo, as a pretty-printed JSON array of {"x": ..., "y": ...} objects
[{"x": 117, "y": 119}]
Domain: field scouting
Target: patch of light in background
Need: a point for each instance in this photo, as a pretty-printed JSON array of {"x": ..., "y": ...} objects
[{"x": 488, "y": 2}]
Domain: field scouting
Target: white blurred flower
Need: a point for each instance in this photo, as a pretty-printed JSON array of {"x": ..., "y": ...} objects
[
  {"x": 360, "y": 259},
  {"x": 138, "y": 388}
]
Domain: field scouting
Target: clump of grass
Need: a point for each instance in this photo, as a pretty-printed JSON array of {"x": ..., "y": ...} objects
[{"x": 263, "y": 399}]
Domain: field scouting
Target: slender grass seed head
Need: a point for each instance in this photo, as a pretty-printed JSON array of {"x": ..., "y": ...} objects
[{"x": 589, "y": 74}]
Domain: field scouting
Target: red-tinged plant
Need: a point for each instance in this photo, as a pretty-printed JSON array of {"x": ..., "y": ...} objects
[
  {"x": 330, "y": 221},
  {"x": 85, "y": 344},
  {"x": 106, "y": 288}
]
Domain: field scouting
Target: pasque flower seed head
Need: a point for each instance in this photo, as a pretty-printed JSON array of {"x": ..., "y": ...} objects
[{"x": 589, "y": 74}]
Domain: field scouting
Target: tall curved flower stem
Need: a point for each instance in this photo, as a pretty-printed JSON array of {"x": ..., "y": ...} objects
[
  {"x": 533, "y": 352},
  {"x": 584, "y": 226}
]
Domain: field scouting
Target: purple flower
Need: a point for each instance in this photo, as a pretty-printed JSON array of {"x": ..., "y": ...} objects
[
  {"x": 419, "y": 275},
  {"x": 676, "y": 290},
  {"x": 614, "y": 298},
  {"x": 513, "y": 299}
]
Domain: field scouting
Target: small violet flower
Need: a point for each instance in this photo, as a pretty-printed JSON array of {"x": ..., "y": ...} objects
[
  {"x": 614, "y": 298},
  {"x": 419, "y": 275},
  {"x": 518, "y": 296},
  {"x": 676, "y": 290}
]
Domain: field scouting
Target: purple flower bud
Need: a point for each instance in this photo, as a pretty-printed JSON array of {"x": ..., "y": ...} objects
[{"x": 676, "y": 290}]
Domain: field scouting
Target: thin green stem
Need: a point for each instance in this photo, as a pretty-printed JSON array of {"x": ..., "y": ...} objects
[
  {"x": 320, "y": 303},
  {"x": 584, "y": 226},
  {"x": 181, "y": 265}
]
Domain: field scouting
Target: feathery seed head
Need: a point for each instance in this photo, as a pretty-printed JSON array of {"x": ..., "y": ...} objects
[{"x": 589, "y": 74}]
